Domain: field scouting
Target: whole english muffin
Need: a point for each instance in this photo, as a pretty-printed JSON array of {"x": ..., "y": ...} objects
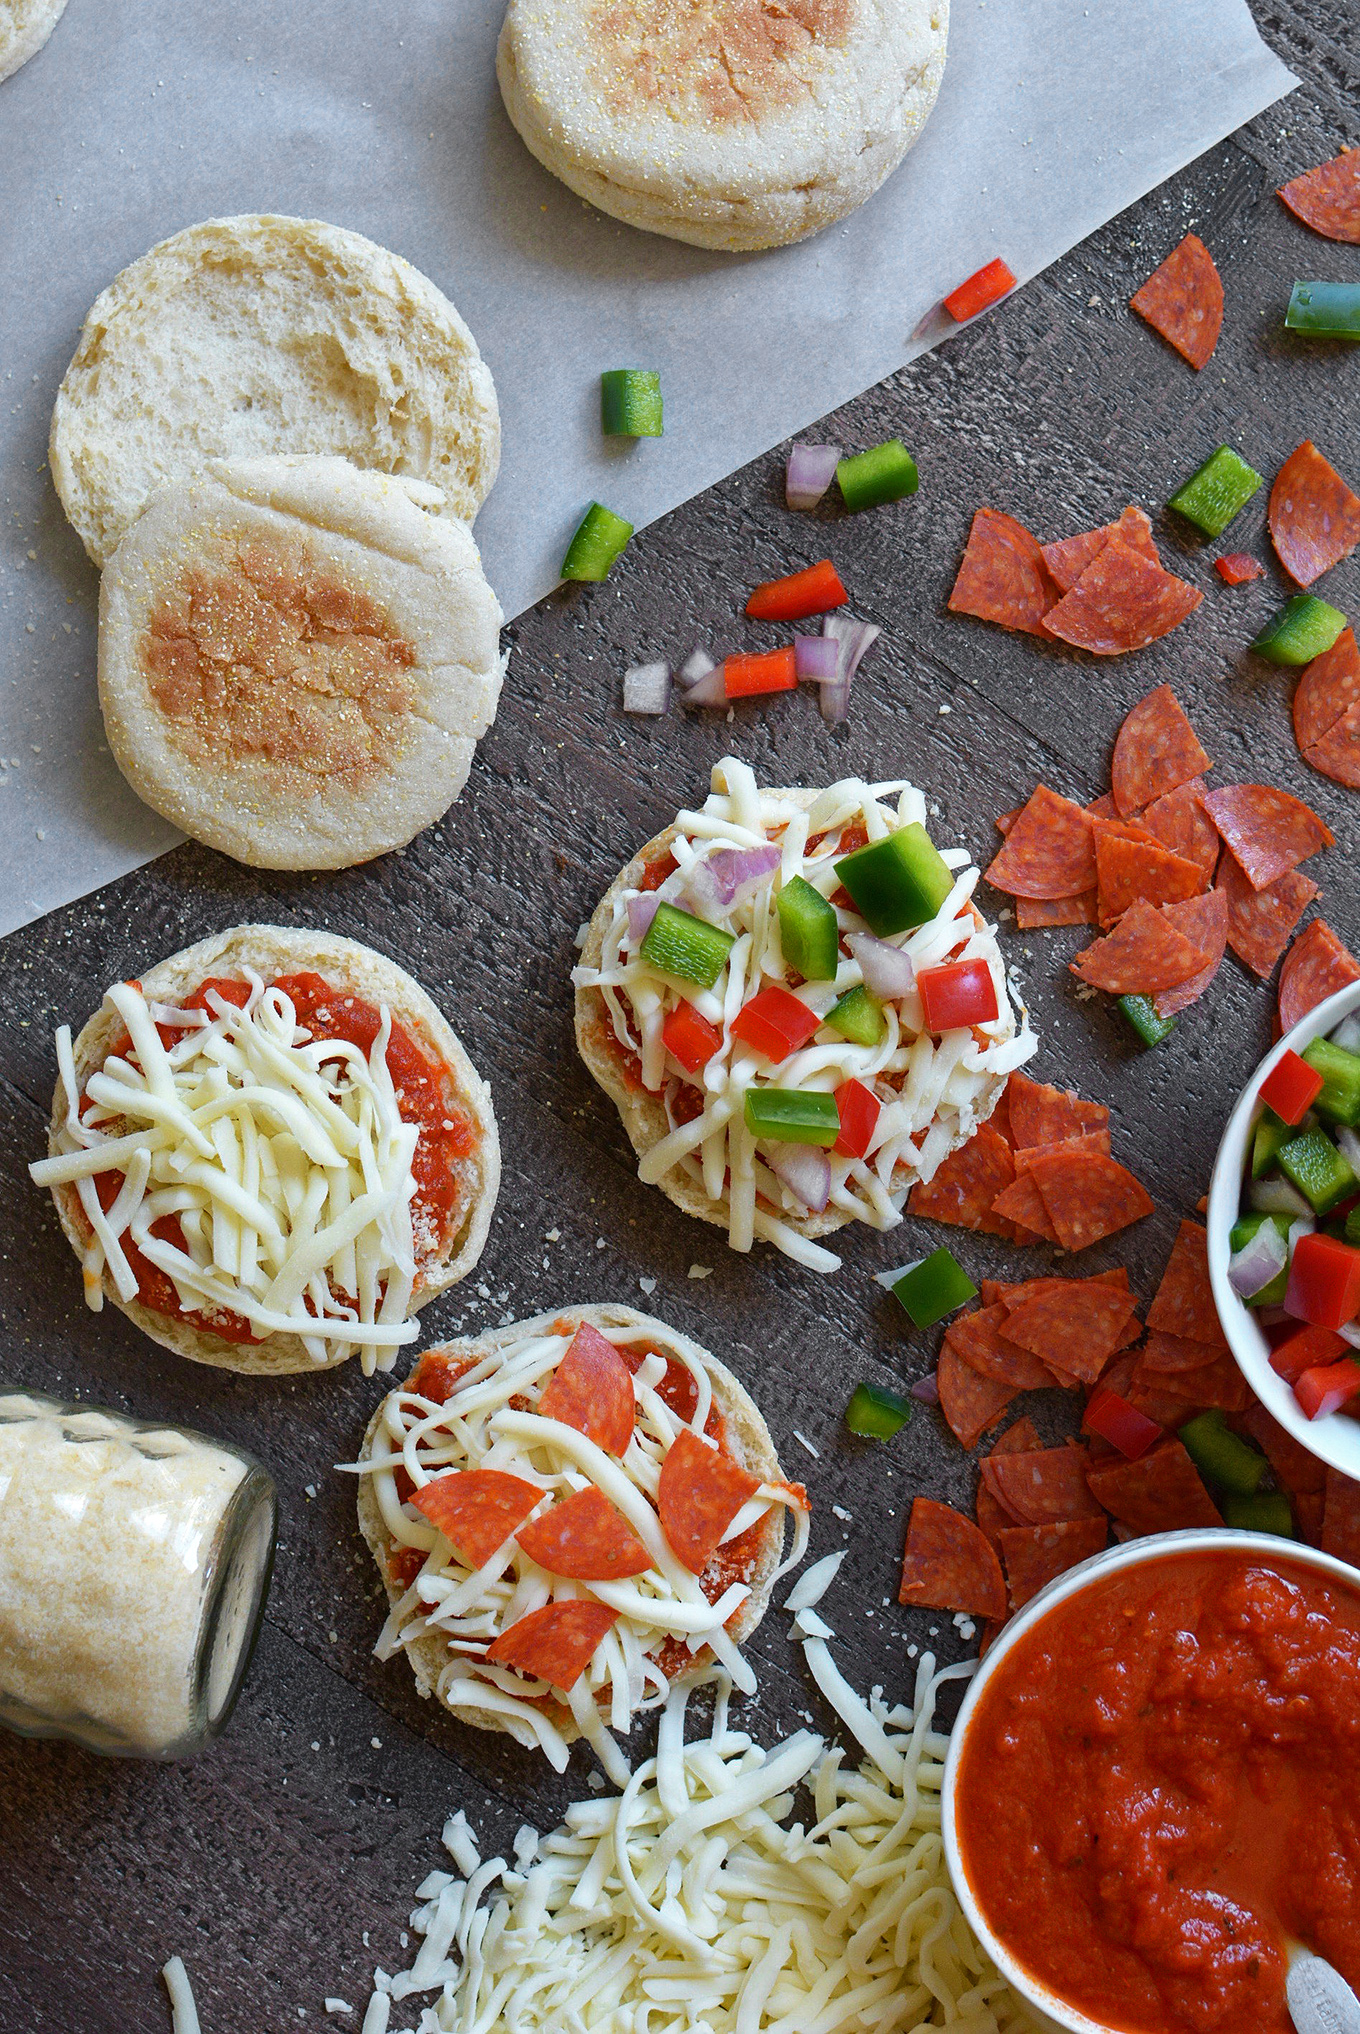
[
  {"x": 256, "y": 335},
  {"x": 24, "y": 27},
  {"x": 296, "y": 659},
  {"x": 734, "y": 124}
]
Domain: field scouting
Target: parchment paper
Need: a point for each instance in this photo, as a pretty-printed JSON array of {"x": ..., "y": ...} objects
[{"x": 142, "y": 116}]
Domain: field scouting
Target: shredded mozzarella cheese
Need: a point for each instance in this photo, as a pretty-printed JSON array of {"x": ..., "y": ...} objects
[
  {"x": 934, "y": 1090},
  {"x": 183, "y": 2012}
]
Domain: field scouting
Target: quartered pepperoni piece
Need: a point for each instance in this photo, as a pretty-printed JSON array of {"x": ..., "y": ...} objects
[
  {"x": 586, "y": 1539},
  {"x": 979, "y": 1339},
  {"x": 1315, "y": 967},
  {"x": 592, "y": 1391},
  {"x": 1155, "y": 751},
  {"x": 1218, "y": 1383},
  {"x": 1041, "y": 1114},
  {"x": 1314, "y": 517},
  {"x": 699, "y": 1493},
  {"x": 1121, "y": 602},
  {"x": 1041, "y": 1487},
  {"x": 1297, "y": 1470},
  {"x": 970, "y": 1403},
  {"x": 1328, "y": 198},
  {"x": 1184, "y": 1303},
  {"x": 1003, "y": 577},
  {"x": 1048, "y": 852},
  {"x": 1129, "y": 869},
  {"x": 1261, "y": 922},
  {"x": 1033, "y": 913},
  {"x": 1023, "y": 1204},
  {"x": 1088, "y": 1196},
  {"x": 1337, "y": 754},
  {"x": 1266, "y": 831},
  {"x": 555, "y": 1644},
  {"x": 1341, "y": 1517},
  {"x": 477, "y": 1510},
  {"x": 1018, "y": 1438},
  {"x": 949, "y": 1564},
  {"x": 1164, "y": 1354},
  {"x": 1183, "y": 300},
  {"x": 1036, "y": 1555},
  {"x": 1327, "y": 688},
  {"x": 1204, "y": 922},
  {"x": 1074, "y": 1326},
  {"x": 1162, "y": 1492},
  {"x": 436, "y": 1375},
  {"x": 967, "y": 1182},
  {"x": 1070, "y": 556},
  {"x": 1178, "y": 820},
  {"x": 1143, "y": 955}
]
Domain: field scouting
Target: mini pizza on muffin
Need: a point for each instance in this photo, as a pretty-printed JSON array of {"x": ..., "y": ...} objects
[
  {"x": 570, "y": 1515},
  {"x": 797, "y": 1008},
  {"x": 271, "y": 1151}
]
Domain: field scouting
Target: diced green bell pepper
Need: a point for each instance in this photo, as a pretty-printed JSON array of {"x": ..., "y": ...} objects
[
  {"x": 876, "y": 1413},
  {"x": 808, "y": 931},
  {"x": 884, "y": 473},
  {"x": 1352, "y": 1229},
  {"x": 1314, "y": 1165},
  {"x": 1301, "y": 630},
  {"x": 1221, "y": 1456},
  {"x": 630, "y": 403},
  {"x": 1141, "y": 1015},
  {"x": 896, "y": 883},
  {"x": 1271, "y": 1295},
  {"x": 600, "y": 539},
  {"x": 1211, "y": 497},
  {"x": 1324, "y": 310},
  {"x": 1339, "y": 1099},
  {"x": 1272, "y": 1132},
  {"x": 858, "y": 1016},
  {"x": 937, "y": 1286},
  {"x": 679, "y": 944},
  {"x": 793, "y": 1116},
  {"x": 1266, "y": 1511}
]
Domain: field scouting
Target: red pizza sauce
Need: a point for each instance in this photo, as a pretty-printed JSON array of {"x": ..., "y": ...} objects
[
  {"x": 424, "y": 1097},
  {"x": 1161, "y": 1782}
]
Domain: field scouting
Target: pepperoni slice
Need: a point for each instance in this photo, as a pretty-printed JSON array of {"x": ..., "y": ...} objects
[
  {"x": 585, "y": 1539},
  {"x": 1044, "y": 1486},
  {"x": 1129, "y": 869},
  {"x": 1337, "y": 755},
  {"x": 969, "y": 1402},
  {"x": 1315, "y": 967},
  {"x": 1341, "y": 1517},
  {"x": 1204, "y": 922},
  {"x": 1314, "y": 518},
  {"x": 1036, "y": 1555},
  {"x": 1164, "y": 1354},
  {"x": 1238, "y": 568},
  {"x": 1179, "y": 822},
  {"x": 1074, "y": 1328},
  {"x": 1218, "y": 1382},
  {"x": 698, "y": 1495},
  {"x": 1085, "y": 1140},
  {"x": 1033, "y": 914},
  {"x": 1260, "y": 922},
  {"x": 949, "y": 1564},
  {"x": 1155, "y": 751},
  {"x": 555, "y": 1644},
  {"x": 1018, "y": 1439},
  {"x": 477, "y": 1510},
  {"x": 436, "y": 1375},
  {"x": 1143, "y": 955},
  {"x": 1049, "y": 851},
  {"x": 1041, "y": 1114},
  {"x": 1296, "y": 1469},
  {"x": 1161, "y": 1492},
  {"x": 1102, "y": 807},
  {"x": 1184, "y": 1303},
  {"x": 1183, "y": 300},
  {"x": 592, "y": 1391},
  {"x": 1122, "y": 602},
  {"x": 1023, "y": 1204},
  {"x": 978, "y": 1338},
  {"x": 1088, "y": 1196},
  {"x": 1328, "y": 198},
  {"x": 1327, "y": 688},
  {"x": 966, "y": 1184},
  {"x": 1003, "y": 577},
  {"x": 1267, "y": 831},
  {"x": 1070, "y": 556}
]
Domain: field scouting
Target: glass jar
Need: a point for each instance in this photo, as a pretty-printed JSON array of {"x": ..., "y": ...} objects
[{"x": 134, "y": 1565}]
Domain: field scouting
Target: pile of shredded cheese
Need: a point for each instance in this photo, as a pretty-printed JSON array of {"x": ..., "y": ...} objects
[
  {"x": 690, "y": 1903},
  {"x": 489, "y": 1423},
  {"x": 285, "y": 1159},
  {"x": 933, "y": 1089}
]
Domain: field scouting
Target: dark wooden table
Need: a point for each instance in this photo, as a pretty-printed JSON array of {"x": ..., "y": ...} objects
[{"x": 282, "y": 1864}]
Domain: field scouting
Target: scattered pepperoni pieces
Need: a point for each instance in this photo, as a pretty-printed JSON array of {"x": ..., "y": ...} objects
[
  {"x": 1261, "y": 922},
  {"x": 477, "y": 1510},
  {"x": 1043, "y": 1486},
  {"x": 699, "y": 1493},
  {"x": 1268, "y": 832},
  {"x": 1003, "y": 577},
  {"x": 1036, "y": 1555},
  {"x": 1088, "y": 1196},
  {"x": 1184, "y": 1303},
  {"x": 1143, "y": 955},
  {"x": 1074, "y": 1327},
  {"x": 1155, "y": 752},
  {"x": 1204, "y": 922},
  {"x": 1316, "y": 966},
  {"x": 1314, "y": 517},
  {"x": 949, "y": 1564},
  {"x": 1128, "y": 869},
  {"x": 554, "y": 1644},
  {"x": 1122, "y": 602},
  {"x": 1237, "y": 568},
  {"x": 1049, "y": 852},
  {"x": 1178, "y": 820},
  {"x": 592, "y": 1391},
  {"x": 1183, "y": 300},
  {"x": 1328, "y": 198},
  {"x": 979, "y": 1339},
  {"x": 966, "y": 1184},
  {"x": 1069, "y": 557},
  {"x": 970, "y": 1403},
  {"x": 1161, "y": 1492},
  {"x": 585, "y": 1539}
]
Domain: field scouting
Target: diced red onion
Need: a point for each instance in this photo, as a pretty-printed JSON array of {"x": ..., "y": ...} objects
[
  {"x": 1348, "y": 1144},
  {"x": 812, "y": 468},
  {"x": 1253, "y": 1267},
  {"x": 805, "y": 1169},
  {"x": 710, "y": 690},
  {"x": 1276, "y": 1197},
  {"x": 1271, "y": 1317},
  {"x": 853, "y": 640},
  {"x": 1349, "y": 1331},
  {"x": 647, "y": 688},
  {"x": 888, "y": 972},
  {"x": 1347, "y": 1033},
  {"x": 1305, "y": 1226},
  {"x": 641, "y": 911},
  {"x": 697, "y": 665},
  {"x": 728, "y": 876},
  {"x": 926, "y": 1390},
  {"x": 815, "y": 658}
]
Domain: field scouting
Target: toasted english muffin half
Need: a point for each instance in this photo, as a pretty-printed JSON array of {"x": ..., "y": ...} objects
[{"x": 24, "y": 27}]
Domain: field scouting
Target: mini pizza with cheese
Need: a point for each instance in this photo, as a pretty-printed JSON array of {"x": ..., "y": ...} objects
[
  {"x": 271, "y": 1151},
  {"x": 571, "y": 1515}
]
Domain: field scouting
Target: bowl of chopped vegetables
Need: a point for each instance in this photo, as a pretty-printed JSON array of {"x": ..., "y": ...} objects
[{"x": 1284, "y": 1231}]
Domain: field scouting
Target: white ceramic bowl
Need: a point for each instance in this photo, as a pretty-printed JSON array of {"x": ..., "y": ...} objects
[
  {"x": 1052, "y": 2010},
  {"x": 1336, "y": 1437}
]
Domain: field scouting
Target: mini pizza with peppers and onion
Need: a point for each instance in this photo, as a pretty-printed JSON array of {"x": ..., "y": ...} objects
[
  {"x": 797, "y": 1008},
  {"x": 571, "y": 1514},
  {"x": 271, "y": 1151}
]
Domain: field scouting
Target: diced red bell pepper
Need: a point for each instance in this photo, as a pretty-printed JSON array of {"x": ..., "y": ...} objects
[
  {"x": 957, "y": 995},
  {"x": 689, "y": 1037},
  {"x": 1291, "y": 1087},
  {"x": 1327, "y": 1389},
  {"x": 1238, "y": 567},
  {"x": 771, "y": 671},
  {"x": 775, "y": 1023},
  {"x": 1120, "y": 1423},
  {"x": 1305, "y": 1349},
  {"x": 814, "y": 591},
  {"x": 1324, "y": 1281},
  {"x": 987, "y": 287},
  {"x": 859, "y": 1109}
]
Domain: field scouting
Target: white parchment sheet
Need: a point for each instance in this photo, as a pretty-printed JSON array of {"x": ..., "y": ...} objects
[{"x": 143, "y": 116}]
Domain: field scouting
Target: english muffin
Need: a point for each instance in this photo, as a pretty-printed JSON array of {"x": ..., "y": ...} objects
[{"x": 24, "y": 27}]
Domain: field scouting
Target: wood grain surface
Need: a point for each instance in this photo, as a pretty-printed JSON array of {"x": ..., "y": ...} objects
[{"x": 282, "y": 1864}]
